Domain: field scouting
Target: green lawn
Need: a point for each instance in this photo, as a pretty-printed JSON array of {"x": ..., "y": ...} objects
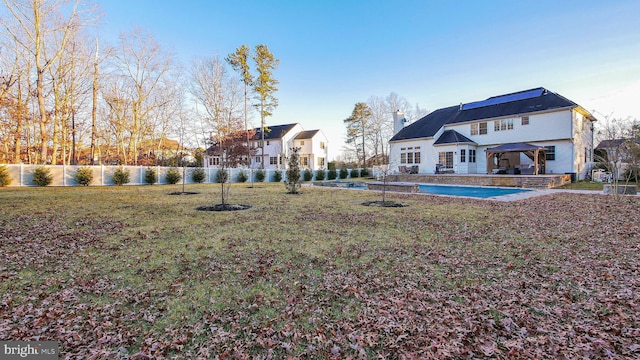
[{"x": 110, "y": 271}]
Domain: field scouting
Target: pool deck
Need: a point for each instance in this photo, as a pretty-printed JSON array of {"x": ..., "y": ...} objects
[
  {"x": 547, "y": 181},
  {"x": 505, "y": 198}
]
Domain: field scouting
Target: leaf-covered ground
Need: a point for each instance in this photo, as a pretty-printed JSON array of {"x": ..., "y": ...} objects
[{"x": 135, "y": 273}]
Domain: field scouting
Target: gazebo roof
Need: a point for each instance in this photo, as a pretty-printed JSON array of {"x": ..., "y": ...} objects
[{"x": 514, "y": 147}]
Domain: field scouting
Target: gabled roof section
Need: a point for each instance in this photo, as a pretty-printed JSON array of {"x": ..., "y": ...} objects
[
  {"x": 614, "y": 143},
  {"x": 514, "y": 147},
  {"x": 521, "y": 102},
  {"x": 428, "y": 126},
  {"x": 308, "y": 134},
  {"x": 453, "y": 137},
  {"x": 274, "y": 132}
]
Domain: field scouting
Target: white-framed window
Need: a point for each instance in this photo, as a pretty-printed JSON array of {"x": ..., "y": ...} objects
[
  {"x": 258, "y": 159},
  {"x": 524, "y": 120},
  {"x": 463, "y": 155},
  {"x": 267, "y": 142},
  {"x": 302, "y": 142},
  {"x": 502, "y": 125},
  {"x": 322, "y": 145},
  {"x": 551, "y": 153},
  {"x": 214, "y": 161},
  {"x": 320, "y": 161},
  {"x": 273, "y": 160},
  {"x": 410, "y": 155},
  {"x": 446, "y": 159},
  {"x": 472, "y": 155},
  {"x": 474, "y": 129},
  {"x": 482, "y": 128}
]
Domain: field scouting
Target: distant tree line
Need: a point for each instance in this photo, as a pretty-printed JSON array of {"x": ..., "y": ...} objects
[
  {"x": 370, "y": 127},
  {"x": 67, "y": 97}
]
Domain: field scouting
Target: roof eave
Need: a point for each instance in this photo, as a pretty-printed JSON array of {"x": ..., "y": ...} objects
[
  {"x": 412, "y": 139},
  {"x": 457, "y": 143}
]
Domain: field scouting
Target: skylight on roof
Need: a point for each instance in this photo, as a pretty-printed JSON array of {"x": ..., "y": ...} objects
[{"x": 504, "y": 99}]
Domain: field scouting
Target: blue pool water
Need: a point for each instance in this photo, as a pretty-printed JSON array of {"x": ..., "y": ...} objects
[{"x": 471, "y": 191}]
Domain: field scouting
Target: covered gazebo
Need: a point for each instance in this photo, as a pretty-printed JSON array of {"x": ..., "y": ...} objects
[{"x": 496, "y": 155}]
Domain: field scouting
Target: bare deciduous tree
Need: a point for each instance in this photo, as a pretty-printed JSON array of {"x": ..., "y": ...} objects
[
  {"x": 43, "y": 28},
  {"x": 145, "y": 72}
]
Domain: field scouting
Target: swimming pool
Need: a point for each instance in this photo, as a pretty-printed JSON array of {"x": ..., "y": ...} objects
[{"x": 482, "y": 192}]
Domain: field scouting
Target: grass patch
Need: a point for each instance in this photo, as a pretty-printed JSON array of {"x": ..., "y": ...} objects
[{"x": 134, "y": 269}]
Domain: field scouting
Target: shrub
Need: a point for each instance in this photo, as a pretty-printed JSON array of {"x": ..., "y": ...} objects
[
  {"x": 355, "y": 173},
  {"x": 364, "y": 172},
  {"x": 121, "y": 176},
  {"x": 198, "y": 175},
  {"x": 260, "y": 175},
  {"x": 173, "y": 176},
  {"x": 343, "y": 173},
  {"x": 5, "y": 179},
  {"x": 277, "y": 176},
  {"x": 42, "y": 176},
  {"x": 150, "y": 176},
  {"x": 84, "y": 176},
  {"x": 307, "y": 175},
  {"x": 320, "y": 174},
  {"x": 293, "y": 173},
  {"x": 332, "y": 174},
  {"x": 222, "y": 176},
  {"x": 242, "y": 176}
]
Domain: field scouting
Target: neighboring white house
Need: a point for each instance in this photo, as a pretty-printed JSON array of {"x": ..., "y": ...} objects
[
  {"x": 278, "y": 140},
  {"x": 531, "y": 131},
  {"x": 313, "y": 149}
]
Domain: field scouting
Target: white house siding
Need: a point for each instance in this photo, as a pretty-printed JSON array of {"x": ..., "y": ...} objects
[
  {"x": 428, "y": 159},
  {"x": 562, "y": 129},
  {"x": 544, "y": 129},
  {"x": 582, "y": 144},
  {"x": 542, "y": 126},
  {"x": 319, "y": 152},
  {"x": 276, "y": 148},
  {"x": 271, "y": 148},
  {"x": 310, "y": 149},
  {"x": 305, "y": 152}
]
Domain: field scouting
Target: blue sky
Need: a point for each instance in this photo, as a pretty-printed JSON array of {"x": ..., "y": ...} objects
[{"x": 434, "y": 53}]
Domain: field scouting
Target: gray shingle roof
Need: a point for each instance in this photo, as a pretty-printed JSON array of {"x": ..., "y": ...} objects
[
  {"x": 274, "y": 132},
  {"x": 453, "y": 137},
  {"x": 522, "y": 102},
  {"x": 308, "y": 134}
]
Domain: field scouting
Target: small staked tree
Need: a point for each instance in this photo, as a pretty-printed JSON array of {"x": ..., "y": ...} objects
[
  {"x": 293, "y": 172},
  {"x": 383, "y": 174},
  {"x": 232, "y": 151}
]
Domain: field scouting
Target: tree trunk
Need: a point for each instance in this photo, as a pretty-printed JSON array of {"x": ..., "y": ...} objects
[{"x": 94, "y": 107}]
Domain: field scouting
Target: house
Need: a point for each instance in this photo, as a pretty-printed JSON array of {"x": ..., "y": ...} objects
[
  {"x": 619, "y": 155},
  {"x": 278, "y": 140},
  {"x": 534, "y": 131},
  {"x": 313, "y": 149}
]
